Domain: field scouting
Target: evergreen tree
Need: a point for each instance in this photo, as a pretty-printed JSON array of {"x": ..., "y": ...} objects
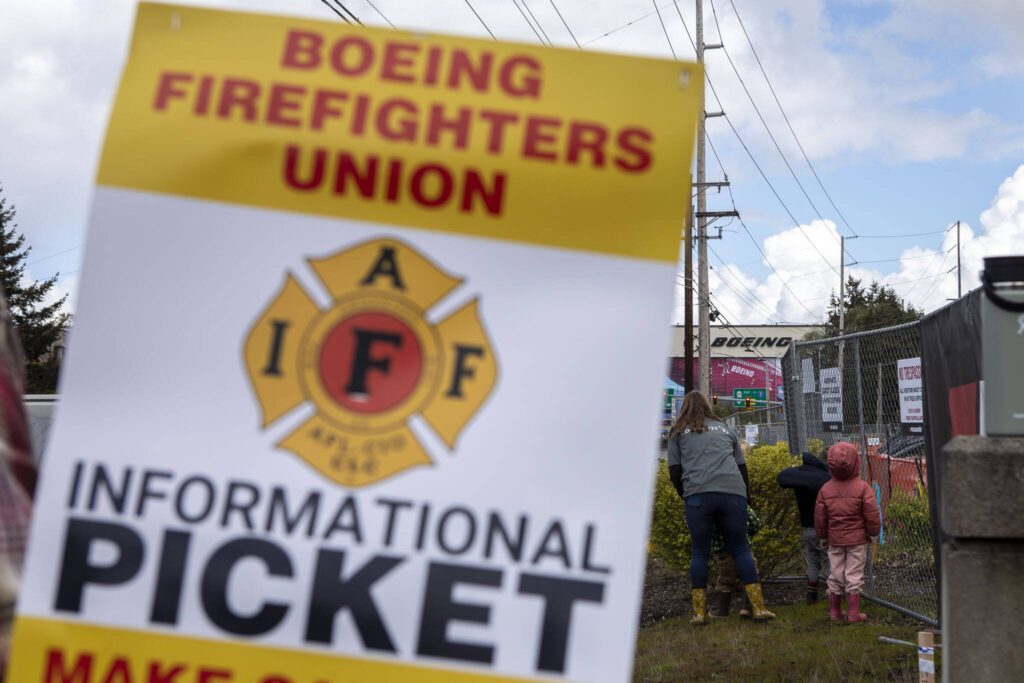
[
  {"x": 40, "y": 325},
  {"x": 868, "y": 308}
]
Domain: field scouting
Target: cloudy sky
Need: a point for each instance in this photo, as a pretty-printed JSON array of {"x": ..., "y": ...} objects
[{"x": 901, "y": 117}]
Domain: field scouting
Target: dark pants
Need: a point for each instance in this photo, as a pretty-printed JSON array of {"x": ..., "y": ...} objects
[{"x": 729, "y": 512}]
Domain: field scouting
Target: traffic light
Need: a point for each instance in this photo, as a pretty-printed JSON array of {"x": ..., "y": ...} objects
[
  {"x": 749, "y": 403},
  {"x": 714, "y": 400}
]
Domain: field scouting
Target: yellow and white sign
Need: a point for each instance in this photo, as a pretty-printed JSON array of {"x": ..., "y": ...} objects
[{"x": 365, "y": 375}]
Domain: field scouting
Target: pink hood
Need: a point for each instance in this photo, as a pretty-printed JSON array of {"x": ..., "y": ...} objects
[{"x": 843, "y": 461}]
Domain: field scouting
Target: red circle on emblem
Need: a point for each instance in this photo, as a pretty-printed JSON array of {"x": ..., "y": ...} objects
[{"x": 370, "y": 362}]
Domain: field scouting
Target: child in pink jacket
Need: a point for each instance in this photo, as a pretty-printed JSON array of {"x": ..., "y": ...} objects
[{"x": 845, "y": 518}]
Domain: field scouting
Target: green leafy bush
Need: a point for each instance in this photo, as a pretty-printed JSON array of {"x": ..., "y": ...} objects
[
  {"x": 669, "y": 537},
  {"x": 776, "y": 546},
  {"x": 816, "y": 447},
  {"x": 907, "y": 523}
]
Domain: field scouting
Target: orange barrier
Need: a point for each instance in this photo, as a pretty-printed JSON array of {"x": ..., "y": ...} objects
[{"x": 907, "y": 474}]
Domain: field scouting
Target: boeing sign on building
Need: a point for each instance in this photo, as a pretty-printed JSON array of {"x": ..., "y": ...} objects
[{"x": 742, "y": 356}]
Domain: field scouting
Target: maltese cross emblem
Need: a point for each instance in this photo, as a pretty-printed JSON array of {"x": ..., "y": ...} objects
[{"x": 369, "y": 362}]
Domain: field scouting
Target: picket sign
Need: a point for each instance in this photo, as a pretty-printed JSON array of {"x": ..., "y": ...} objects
[{"x": 327, "y": 408}]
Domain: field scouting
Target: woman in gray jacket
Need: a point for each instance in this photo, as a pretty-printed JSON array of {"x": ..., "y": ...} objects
[{"x": 707, "y": 467}]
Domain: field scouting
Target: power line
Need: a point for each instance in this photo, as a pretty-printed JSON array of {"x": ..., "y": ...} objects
[
  {"x": 718, "y": 158},
  {"x": 692, "y": 43},
  {"x": 47, "y": 258},
  {"x": 721, "y": 312},
  {"x": 912, "y": 234},
  {"x": 529, "y": 23},
  {"x": 897, "y": 260},
  {"x": 537, "y": 21},
  {"x": 375, "y": 9},
  {"x": 893, "y": 284},
  {"x": 335, "y": 10},
  {"x": 760, "y": 116},
  {"x": 347, "y": 11},
  {"x": 752, "y": 300},
  {"x": 777, "y": 196},
  {"x": 935, "y": 285},
  {"x": 782, "y": 280},
  {"x": 565, "y": 24},
  {"x": 937, "y": 274},
  {"x": 481, "y": 19},
  {"x": 749, "y": 153},
  {"x": 729, "y": 187},
  {"x": 764, "y": 256},
  {"x": 785, "y": 117},
  {"x": 918, "y": 279},
  {"x": 662, "y": 22},
  {"x": 626, "y": 25}
]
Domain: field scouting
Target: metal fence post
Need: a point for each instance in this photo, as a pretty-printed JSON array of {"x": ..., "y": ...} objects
[
  {"x": 796, "y": 428},
  {"x": 860, "y": 406},
  {"x": 863, "y": 442}
]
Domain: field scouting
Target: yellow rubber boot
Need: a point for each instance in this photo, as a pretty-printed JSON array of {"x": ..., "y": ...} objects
[
  {"x": 700, "y": 607},
  {"x": 757, "y": 602}
]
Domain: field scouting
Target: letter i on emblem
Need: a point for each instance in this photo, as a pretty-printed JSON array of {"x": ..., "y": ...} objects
[{"x": 273, "y": 366}]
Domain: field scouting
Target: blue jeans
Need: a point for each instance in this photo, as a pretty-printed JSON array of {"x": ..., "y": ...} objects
[{"x": 729, "y": 512}]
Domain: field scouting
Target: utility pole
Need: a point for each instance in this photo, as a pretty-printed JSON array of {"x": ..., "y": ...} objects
[
  {"x": 842, "y": 301},
  {"x": 688, "y": 302},
  {"x": 842, "y": 285},
  {"x": 702, "y": 215},
  {"x": 703, "y": 295},
  {"x": 959, "y": 293}
]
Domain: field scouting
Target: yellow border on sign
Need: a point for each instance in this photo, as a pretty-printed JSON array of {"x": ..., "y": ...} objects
[
  {"x": 186, "y": 144},
  {"x": 37, "y": 639}
]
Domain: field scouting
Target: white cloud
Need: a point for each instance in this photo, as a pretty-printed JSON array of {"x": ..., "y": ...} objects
[
  {"x": 928, "y": 277},
  {"x": 849, "y": 91}
]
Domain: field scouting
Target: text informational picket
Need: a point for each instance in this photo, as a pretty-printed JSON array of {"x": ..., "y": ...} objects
[
  {"x": 908, "y": 376},
  {"x": 327, "y": 412}
]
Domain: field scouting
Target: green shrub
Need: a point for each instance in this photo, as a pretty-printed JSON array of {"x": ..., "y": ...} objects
[
  {"x": 906, "y": 510},
  {"x": 669, "y": 536},
  {"x": 776, "y": 546},
  {"x": 907, "y": 523},
  {"x": 816, "y": 447}
]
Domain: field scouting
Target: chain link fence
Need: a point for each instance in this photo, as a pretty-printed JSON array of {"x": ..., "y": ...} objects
[
  {"x": 865, "y": 388},
  {"x": 40, "y": 410}
]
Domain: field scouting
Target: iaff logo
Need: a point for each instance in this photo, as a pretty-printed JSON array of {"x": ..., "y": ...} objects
[{"x": 369, "y": 362}]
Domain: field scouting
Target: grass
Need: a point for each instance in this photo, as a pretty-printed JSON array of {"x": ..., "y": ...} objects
[{"x": 800, "y": 645}]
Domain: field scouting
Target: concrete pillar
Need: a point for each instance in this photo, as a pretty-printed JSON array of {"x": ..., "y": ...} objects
[{"x": 982, "y": 519}]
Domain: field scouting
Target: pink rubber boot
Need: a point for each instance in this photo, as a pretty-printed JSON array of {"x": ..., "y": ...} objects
[
  {"x": 835, "y": 610},
  {"x": 854, "y": 614}
]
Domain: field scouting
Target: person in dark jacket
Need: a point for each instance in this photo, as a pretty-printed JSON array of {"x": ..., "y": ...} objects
[
  {"x": 806, "y": 480},
  {"x": 846, "y": 516},
  {"x": 707, "y": 468}
]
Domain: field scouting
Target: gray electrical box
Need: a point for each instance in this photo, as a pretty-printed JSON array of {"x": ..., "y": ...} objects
[{"x": 1002, "y": 345}]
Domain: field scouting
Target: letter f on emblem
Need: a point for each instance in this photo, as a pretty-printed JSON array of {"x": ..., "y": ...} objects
[{"x": 363, "y": 361}]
